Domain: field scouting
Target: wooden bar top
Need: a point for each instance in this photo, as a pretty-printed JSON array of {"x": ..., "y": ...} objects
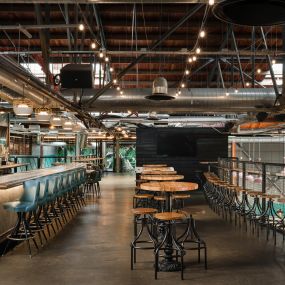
[
  {"x": 162, "y": 177},
  {"x": 12, "y": 165},
  {"x": 88, "y": 159},
  {"x": 16, "y": 179},
  {"x": 169, "y": 186}
]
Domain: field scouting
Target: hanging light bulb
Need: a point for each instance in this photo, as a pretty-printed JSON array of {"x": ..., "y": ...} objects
[
  {"x": 118, "y": 88},
  {"x": 202, "y": 34},
  {"x": 211, "y": 2},
  {"x": 190, "y": 59},
  {"x": 111, "y": 69},
  {"x": 182, "y": 85},
  {"x": 81, "y": 27},
  {"x": 67, "y": 124},
  {"x": 101, "y": 54},
  {"x": 259, "y": 70},
  {"x": 198, "y": 50},
  {"x": 187, "y": 72},
  {"x": 273, "y": 61},
  {"x": 179, "y": 92},
  {"x": 247, "y": 84},
  {"x": 236, "y": 90},
  {"x": 115, "y": 81},
  {"x": 227, "y": 94},
  {"x": 93, "y": 45},
  {"x": 176, "y": 94},
  {"x": 107, "y": 59},
  {"x": 129, "y": 112},
  {"x": 121, "y": 92},
  {"x": 194, "y": 58}
]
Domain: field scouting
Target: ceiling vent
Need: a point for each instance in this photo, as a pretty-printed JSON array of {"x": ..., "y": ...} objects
[
  {"x": 251, "y": 13},
  {"x": 159, "y": 90}
]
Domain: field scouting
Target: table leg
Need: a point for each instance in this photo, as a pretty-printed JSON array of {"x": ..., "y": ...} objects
[{"x": 169, "y": 263}]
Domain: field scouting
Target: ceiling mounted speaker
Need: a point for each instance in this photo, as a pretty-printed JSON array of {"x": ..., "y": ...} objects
[
  {"x": 251, "y": 12},
  {"x": 160, "y": 90}
]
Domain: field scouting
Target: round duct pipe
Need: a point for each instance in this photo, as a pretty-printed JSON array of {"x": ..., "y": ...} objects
[{"x": 251, "y": 13}]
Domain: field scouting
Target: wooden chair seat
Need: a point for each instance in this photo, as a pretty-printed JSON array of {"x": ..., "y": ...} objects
[
  {"x": 144, "y": 211},
  {"x": 143, "y": 196},
  {"x": 169, "y": 216},
  {"x": 192, "y": 211},
  {"x": 159, "y": 198},
  {"x": 182, "y": 196}
]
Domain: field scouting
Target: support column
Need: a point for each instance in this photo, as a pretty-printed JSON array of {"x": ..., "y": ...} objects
[
  {"x": 117, "y": 156},
  {"x": 77, "y": 145}
]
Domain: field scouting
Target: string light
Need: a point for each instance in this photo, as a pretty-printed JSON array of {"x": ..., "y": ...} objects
[
  {"x": 187, "y": 72},
  {"x": 190, "y": 59},
  {"x": 247, "y": 84},
  {"x": 107, "y": 59},
  {"x": 118, "y": 88},
  {"x": 194, "y": 58},
  {"x": 176, "y": 94},
  {"x": 273, "y": 61},
  {"x": 179, "y": 92},
  {"x": 93, "y": 45},
  {"x": 198, "y": 50},
  {"x": 236, "y": 91},
  {"x": 101, "y": 54},
  {"x": 202, "y": 34},
  {"x": 81, "y": 27},
  {"x": 115, "y": 81},
  {"x": 227, "y": 93},
  {"x": 121, "y": 92},
  {"x": 182, "y": 85},
  {"x": 211, "y": 2},
  {"x": 258, "y": 70},
  {"x": 111, "y": 69}
]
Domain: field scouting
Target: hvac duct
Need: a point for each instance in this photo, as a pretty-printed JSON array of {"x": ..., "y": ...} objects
[{"x": 191, "y": 100}]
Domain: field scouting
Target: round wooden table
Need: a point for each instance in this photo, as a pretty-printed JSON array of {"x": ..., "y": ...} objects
[
  {"x": 154, "y": 165},
  {"x": 164, "y": 168},
  {"x": 162, "y": 177},
  {"x": 157, "y": 172},
  {"x": 168, "y": 188}
]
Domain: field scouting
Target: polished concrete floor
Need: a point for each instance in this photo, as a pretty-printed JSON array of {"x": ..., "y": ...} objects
[{"x": 94, "y": 249}]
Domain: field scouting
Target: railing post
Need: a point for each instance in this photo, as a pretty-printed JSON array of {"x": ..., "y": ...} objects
[
  {"x": 39, "y": 162},
  {"x": 263, "y": 189},
  {"x": 243, "y": 175}
]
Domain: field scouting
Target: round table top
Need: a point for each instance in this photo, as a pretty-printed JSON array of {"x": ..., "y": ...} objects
[
  {"x": 158, "y": 172},
  {"x": 169, "y": 186},
  {"x": 164, "y": 168},
  {"x": 162, "y": 177},
  {"x": 154, "y": 165}
]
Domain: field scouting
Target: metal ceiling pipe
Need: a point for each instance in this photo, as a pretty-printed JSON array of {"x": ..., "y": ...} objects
[{"x": 210, "y": 100}]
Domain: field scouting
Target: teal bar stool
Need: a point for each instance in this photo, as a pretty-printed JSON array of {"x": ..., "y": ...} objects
[
  {"x": 59, "y": 194},
  {"x": 26, "y": 205}
]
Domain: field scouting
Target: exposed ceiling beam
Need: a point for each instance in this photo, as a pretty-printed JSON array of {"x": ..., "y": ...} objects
[{"x": 152, "y": 47}]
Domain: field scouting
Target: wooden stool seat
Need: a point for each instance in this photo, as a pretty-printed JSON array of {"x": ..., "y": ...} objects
[
  {"x": 143, "y": 196},
  {"x": 254, "y": 193},
  {"x": 270, "y": 196},
  {"x": 159, "y": 198},
  {"x": 169, "y": 216},
  {"x": 192, "y": 211},
  {"x": 183, "y": 196},
  {"x": 144, "y": 211}
]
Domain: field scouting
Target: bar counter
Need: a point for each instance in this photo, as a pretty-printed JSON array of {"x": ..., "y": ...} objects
[{"x": 11, "y": 188}]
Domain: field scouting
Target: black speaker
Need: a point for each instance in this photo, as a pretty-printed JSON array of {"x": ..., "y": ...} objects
[{"x": 77, "y": 76}]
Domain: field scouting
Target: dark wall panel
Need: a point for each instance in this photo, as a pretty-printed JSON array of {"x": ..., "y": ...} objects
[{"x": 210, "y": 144}]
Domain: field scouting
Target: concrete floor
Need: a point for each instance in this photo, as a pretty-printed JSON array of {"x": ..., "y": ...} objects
[{"x": 94, "y": 249}]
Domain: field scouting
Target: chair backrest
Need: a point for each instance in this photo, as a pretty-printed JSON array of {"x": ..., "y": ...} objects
[
  {"x": 31, "y": 191},
  {"x": 43, "y": 188},
  {"x": 52, "y": 185}
]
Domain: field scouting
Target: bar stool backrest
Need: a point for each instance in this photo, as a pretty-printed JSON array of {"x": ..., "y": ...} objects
[{"x": 31, "y": 191}]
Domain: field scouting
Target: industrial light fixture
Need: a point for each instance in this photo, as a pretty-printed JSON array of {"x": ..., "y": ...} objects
[
  {"x": 55, "y": 121},
  {"x": 42, "y": 114},
  {"x": 67, "y": 124},
  {"x": 160, "y": 90},
  {"x": 22, "y": 107}
]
